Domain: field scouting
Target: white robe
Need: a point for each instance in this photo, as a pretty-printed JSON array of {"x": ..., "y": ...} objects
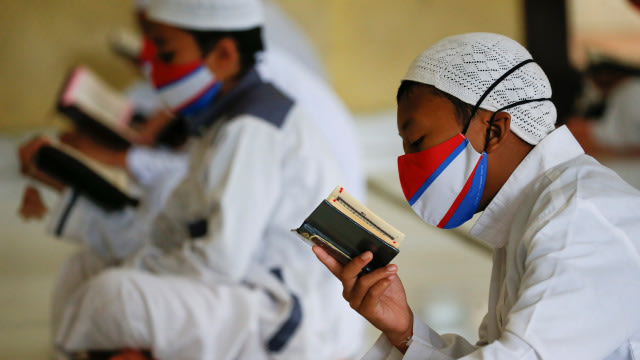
[
  {"x": 566, "y": 269},
  {"x": 159, "y": 170},
  {"x": 215, "y": 296}
]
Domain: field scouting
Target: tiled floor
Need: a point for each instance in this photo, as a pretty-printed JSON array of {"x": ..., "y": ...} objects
[{"x": 445, "y": 277}]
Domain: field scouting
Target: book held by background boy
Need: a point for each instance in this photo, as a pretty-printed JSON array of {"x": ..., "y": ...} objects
[
  {"x": 106, "y": 186},
  {"x": 108, "y": 116}
]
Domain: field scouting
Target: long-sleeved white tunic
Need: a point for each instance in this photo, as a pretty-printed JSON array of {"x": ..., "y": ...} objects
[
  {"x": 566, "y": 269},
  {"x": 258, "y": 169}
]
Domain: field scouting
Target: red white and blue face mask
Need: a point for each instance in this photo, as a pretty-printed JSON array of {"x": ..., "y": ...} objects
[
  {"x": 444, "y": 184},
  {"x": 185, "y": 88}
]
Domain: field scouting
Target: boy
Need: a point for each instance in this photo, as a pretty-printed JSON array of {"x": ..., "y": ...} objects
[
  {"x": 478, "y": 132},
  {"x": 219, "y": 275}
]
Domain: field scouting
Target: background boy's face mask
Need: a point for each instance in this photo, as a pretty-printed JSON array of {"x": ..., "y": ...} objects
[
  {"x": 444, "y": 184},
  {"x": 184, "y": 88}
]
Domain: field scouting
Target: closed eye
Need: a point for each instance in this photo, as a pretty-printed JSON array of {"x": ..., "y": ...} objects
[
  {"x": 166, "y": 57},
  {"x": 416, "y": 143}
]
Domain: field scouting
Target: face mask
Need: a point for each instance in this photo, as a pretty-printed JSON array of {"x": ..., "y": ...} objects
[
  {"x": 147, "y": 52},
  {"x": 444, "y": 184},
  {"x": 185, "y": 88}
]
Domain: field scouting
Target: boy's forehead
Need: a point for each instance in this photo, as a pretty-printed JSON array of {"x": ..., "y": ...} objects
[{"x": 421, "y": 106}]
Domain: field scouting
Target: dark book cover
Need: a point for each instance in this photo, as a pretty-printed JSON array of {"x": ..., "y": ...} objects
[
  {"x": 343, "y": 238},
  {"x": 75, "y": 173}
]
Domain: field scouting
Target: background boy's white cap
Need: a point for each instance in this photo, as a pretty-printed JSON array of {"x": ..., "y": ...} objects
[
  {"x": 141, "y": 4},
  {"x": 465, "y": 66},
  {"x": 208, "y": 15}
]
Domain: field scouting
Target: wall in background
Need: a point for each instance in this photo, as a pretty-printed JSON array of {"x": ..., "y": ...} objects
[
  {"x": 366, "y": 45},
  {"x": 40, "y": 40},
  {"x": 616, "y": 34}
]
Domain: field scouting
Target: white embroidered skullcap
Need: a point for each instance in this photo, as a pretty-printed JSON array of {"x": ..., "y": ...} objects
[
  {"x": 465, "y": 66},
  {"x": 208, "y": 15},
  {"x": 141, "y": 4}
]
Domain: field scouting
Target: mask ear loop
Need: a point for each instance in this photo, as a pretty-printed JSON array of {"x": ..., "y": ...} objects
[
  {"x": 518, "y": 103},
  {"x": 488, "y": 91}
]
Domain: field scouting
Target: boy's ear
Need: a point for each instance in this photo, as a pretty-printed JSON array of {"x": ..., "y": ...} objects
[
  {"x": 224, "y": 59},
  {"x": 499, "y": 128}
]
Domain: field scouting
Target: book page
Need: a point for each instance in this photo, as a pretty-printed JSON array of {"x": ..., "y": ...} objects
[
  {"x": 355, "y": 210},
  {"x": 86, "y": 91}
]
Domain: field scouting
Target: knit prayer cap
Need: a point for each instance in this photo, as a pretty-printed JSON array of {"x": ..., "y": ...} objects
[
  {"x": 465, "y": 66},
  {"x": 208, "y": 15}
]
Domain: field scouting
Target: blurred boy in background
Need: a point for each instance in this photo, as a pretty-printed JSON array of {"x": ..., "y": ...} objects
[
  {"x": 212, "y": 276},
  {"x": 608, "y": 123}
]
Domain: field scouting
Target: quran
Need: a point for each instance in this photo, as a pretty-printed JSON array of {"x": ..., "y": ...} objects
[
  {"x": 108, "y": 116},
  {"x": 97, "y": 108},
  {"x": 345, "y": 228},
  {"x": 106, "y": 186}
]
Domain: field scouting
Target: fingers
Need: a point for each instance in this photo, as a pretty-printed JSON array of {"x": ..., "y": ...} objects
[
  {"x": 349, "y": 274},
  {"x": 149, "y": 131},
  {"x": 68, "y": 137},
  {"x": 332, "y": 264},
  {"x": 371, "y": 295},
  {"x": 26, "y": 153},
  {"x": 354, "y": 268},
  {"x": 377, "y": 281}
]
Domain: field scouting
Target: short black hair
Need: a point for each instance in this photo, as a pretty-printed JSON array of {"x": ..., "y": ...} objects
[
  {"x": 249, "y": 43},
  {"x": 464, "y": 111}
]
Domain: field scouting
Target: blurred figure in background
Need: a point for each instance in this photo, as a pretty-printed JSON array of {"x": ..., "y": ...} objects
[
  {"x": 608, "y": 121},
  {"x": 291, "y": 63},
  {"x": 207, "y": 264}
]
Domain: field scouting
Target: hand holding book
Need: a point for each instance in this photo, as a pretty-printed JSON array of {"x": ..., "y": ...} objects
[
  {"x": 371, "y": 287},
  {"x": 26, "y": 157},
  {"x": 59, "y": 165},
  {"x": 109, "y": 117}
]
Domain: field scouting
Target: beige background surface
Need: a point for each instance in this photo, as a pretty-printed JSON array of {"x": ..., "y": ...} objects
[{"x": 366, "y": 45}]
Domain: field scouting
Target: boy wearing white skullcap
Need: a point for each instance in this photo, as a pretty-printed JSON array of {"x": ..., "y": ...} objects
[
  {"x": 219, "y": 274},
  {"x": 478, "y": 131}
]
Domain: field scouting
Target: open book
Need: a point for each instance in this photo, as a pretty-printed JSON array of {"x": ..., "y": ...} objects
[
  {"x": 107, "y": 186},
  {"x": 96, "y": 107},
  {"x": 107, "y": 115},
  {"x": 345, "y": 228}
]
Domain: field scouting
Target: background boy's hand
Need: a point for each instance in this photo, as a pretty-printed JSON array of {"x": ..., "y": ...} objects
[
  {"x": 378, "y": 296},
  {"x": 26, "y": 157},
  {"x": 149, "y": 131}
]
